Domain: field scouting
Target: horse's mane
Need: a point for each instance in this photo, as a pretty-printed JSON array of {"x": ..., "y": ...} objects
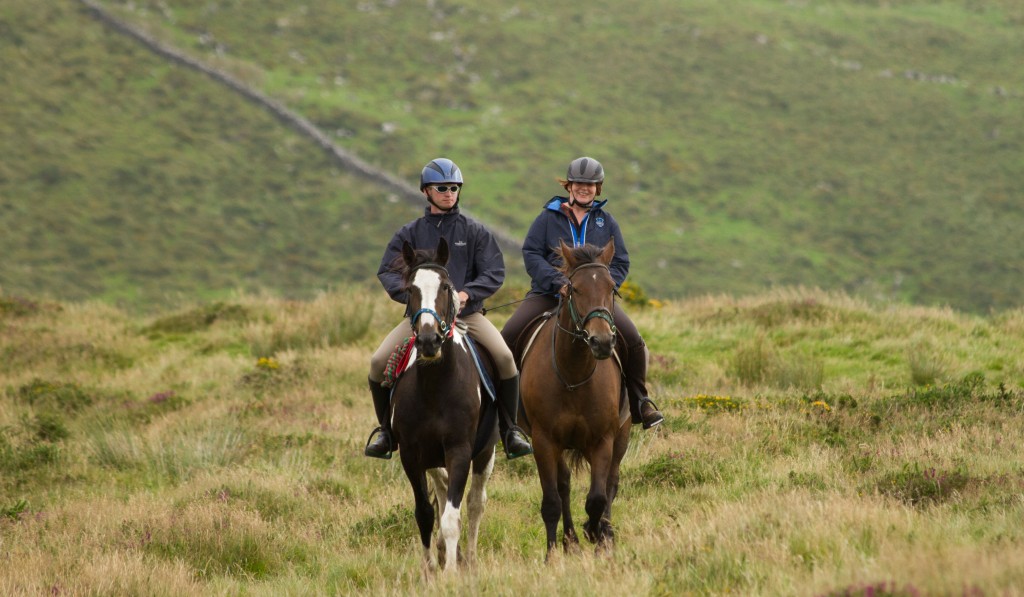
[{"x": 587, "y": 253}]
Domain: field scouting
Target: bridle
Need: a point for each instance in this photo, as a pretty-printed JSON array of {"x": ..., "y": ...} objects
[
  {"x": 579, "y": 324},
  {"x": 446, "y": 324},
  {"x": 579, "y": 331}
]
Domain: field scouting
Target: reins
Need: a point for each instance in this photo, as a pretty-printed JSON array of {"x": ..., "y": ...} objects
[{"x": 484, "y": 310}]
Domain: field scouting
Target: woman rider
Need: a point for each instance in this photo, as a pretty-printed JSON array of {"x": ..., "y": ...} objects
[
  {"x": 477, "y": 269},
  {"x": 578, "y": 219}
]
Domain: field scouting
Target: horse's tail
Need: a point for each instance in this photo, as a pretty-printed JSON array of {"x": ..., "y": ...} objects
[{"x": 575, "y": 460}]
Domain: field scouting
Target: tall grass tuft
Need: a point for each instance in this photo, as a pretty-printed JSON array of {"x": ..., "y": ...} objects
[
  {"x": 332, "y": 319},
  {"x": 758, "y": 361},
  {"x": 170, "y": 457},
  {"x": 928, "y": 365}
]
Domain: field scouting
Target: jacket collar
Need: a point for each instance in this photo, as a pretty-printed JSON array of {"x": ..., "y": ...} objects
[
  {"x": 555, "y": 203},
  {"x": 434, "y": 217}
]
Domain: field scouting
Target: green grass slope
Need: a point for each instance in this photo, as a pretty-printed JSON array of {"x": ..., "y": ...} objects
[
  {"x": 874, "y": 147},
  {"x": 128, "y": 178}
]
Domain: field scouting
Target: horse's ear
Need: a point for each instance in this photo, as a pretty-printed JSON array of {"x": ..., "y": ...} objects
[
  {"x": 408, "y": 254},
  {"x": 608, "y": 252},
  {"x": 442, "y": 251},
  {"x": 567, "y": 257}
]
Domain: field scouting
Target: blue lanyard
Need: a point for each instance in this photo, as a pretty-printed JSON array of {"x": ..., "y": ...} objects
[{"x": 578, "y": 240}]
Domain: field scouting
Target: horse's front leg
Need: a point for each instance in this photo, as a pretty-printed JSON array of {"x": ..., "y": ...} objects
[
  {"x": 457, "y": 462},
  {"x": 424, "y": 512},
  {"x": 545, "y": 453},
  {"x": 598, "y": 529},
  {"x": 483, "y": 466},
  {"x": 570, "y": 541}
]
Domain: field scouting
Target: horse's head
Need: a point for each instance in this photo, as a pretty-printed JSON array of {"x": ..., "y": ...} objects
[
  {"x": 590, "y": 295},
  {"x": 433, "y": 301}
]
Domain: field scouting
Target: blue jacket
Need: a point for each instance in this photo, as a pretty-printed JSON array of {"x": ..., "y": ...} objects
[
  {"x": 553, "y": 224},
  {"x": 475, "y": 264}
]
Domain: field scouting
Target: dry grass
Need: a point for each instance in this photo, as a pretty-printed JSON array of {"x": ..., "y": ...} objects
[{"x": 190, "y": 467}]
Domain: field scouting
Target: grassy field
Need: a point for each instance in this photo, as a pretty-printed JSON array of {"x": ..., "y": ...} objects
[
  {"x": 814, "y": 444},
  {"x": 869, "y": 147}
]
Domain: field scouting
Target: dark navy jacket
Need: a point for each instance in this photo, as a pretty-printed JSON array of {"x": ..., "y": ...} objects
[
  {"x": 597, "y": 228},
  {"x": 475, "y": 264}
]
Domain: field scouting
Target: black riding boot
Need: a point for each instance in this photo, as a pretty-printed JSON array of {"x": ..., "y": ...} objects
[
  {"x": 512, "y": 437},
  {"x": 380, "y": 445},
  {"x": 640, "y": 405}
]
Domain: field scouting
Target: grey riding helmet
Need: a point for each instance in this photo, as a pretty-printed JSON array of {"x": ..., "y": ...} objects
[
  {"x": 585, "y": 170},
  {"x": 441, "y": 170}
]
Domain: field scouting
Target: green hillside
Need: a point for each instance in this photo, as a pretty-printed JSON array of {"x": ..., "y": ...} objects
[{"x": 874, "y": 147}]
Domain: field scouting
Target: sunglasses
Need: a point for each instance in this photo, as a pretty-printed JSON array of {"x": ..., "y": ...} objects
[{"x": 444, "y": 189}]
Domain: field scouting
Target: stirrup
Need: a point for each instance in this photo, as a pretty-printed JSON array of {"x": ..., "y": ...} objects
[
  {"x": 512, "y": 431},
  {"x": 386, "y": 455},
  {"x": 658, "y": 420}
]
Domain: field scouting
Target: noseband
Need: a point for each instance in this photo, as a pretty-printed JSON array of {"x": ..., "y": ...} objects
[{"x": 447, "y": 325}]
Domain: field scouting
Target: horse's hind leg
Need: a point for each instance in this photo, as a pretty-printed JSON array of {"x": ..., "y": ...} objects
[
  {"x": 570, "y": 541},
  {"x": 618, "y": 452},
  {"x": 483, "y": 466},
  {"x": 437, "y": 480}
]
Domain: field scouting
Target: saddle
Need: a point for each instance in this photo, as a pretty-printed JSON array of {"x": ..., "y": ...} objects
[{"x": 525, "y": 342}]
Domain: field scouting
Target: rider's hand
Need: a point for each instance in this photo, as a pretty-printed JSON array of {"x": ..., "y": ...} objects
[{"x": 463, "y": 299}]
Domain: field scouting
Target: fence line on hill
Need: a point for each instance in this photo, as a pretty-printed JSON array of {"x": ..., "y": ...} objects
[{"x": 344, "y": 158}]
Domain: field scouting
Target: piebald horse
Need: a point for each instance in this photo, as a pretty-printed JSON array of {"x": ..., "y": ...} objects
[{"x": 436, "y": 411}]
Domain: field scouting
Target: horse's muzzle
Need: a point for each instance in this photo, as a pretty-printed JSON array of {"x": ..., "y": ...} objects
[
  {"x": 428, "y": 344},
  {"x": 601, "y": 345}
]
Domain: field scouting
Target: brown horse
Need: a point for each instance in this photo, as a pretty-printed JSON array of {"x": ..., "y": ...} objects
[
  {"x": 438, "y": 405},
  {"x": 571, "y": 393}
]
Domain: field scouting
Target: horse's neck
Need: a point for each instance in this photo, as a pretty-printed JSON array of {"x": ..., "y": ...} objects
[{"x": 432, "y": 372}]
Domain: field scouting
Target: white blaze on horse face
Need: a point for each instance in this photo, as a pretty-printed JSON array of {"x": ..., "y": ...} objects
[{"x": 429, "y": 283}]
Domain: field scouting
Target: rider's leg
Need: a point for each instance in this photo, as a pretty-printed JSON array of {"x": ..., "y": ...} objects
[
  {"x": 512, "y": 437},
  {"x": 381, "y": 444},
  {"x": 634, "y": 369}
]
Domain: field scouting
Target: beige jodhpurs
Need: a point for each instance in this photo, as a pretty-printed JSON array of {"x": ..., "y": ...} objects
[{"x": 480, "y": 329}]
